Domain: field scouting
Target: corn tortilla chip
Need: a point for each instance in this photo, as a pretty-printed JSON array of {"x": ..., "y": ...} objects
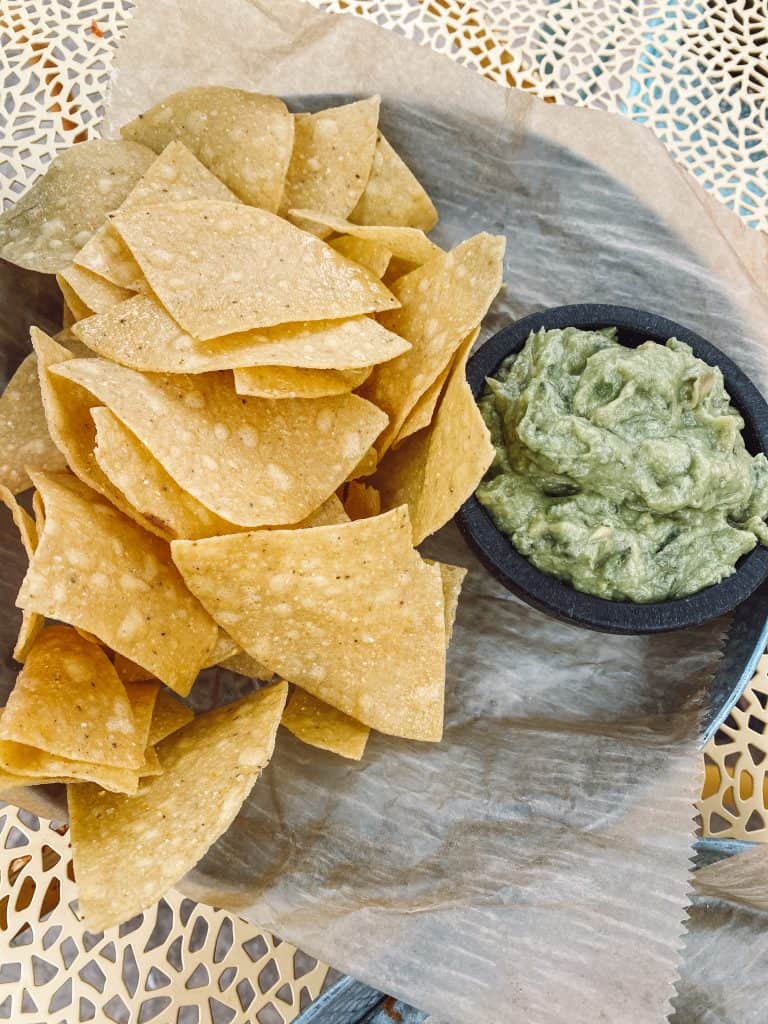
[
  {"x": 72, "y": 300},
  {"x": 151, "y": 764},
  {"x": 69, "y": 701},
  {"x": 140, "y": 334},
  {"x": 134, "y": 471},
  {"x": 332, "y": 157},
  {"x": 366, "y": 466},
  {"x": 174, "y": 176},
  {"x": 224, "y": 647},
  {"x": 244, "y": 665},
  {"x": 393, "y": 194},
  {"x": 97, "y": 569},
  {"x": 317, "y": 723},
  {"x": 209, "y": 767},
  {"x": 293, "y": 382},
  {"x": 243, "y": 458},
  {"x": 129, "y": 671},
  {"x": 442, "y": 303},
  {"x": 24, "y": 437},
  {"x": 452, "y": 577},
  {"x": 409, "y": 244},
  {"x": 349, "y": 613},
  {"x": 142, "y": 695},
  {"x": 39, "y": 509},
  {"x": 361, "y": 501},
  {"x": 169, "y": 716},
  {"x": 220, "y": 268},
  {"x": 436, "y": 470},
  {"x": 31, "y": 622},
  {"x": 93, "y": 292},
  {"x": 368, "y": 254},
  {"x": 245, "y": 139},
  {"x": 57, "y": 215}
]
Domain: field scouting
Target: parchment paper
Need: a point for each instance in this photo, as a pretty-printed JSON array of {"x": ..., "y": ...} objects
[{"x": 534, "y": 866}]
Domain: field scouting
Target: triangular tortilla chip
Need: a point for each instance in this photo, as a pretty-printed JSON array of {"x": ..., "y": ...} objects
[
  {"x": 442, "y": 302},
  {"x": 314, "y": 722},
  {"x": 24, "y": 437},
  {"x": 69, "y": 701},
  {"x": 31, "y": 622},
  {"x": 209, "y": 767},
  {"x": 140, "y": 334},
  {"x": 332, "y": 157},
  {"x": 366, "y": 466},
  {"x": 372, "y": 255},
  {"x": 350, "y": 613},
  {"x": 97, "y": 569},
  {"x": 244, "y": 665},
  {"x": 361, "y": 501},
  {"x": 129, "y": 671},
  {"x": 245, "y": 139},
  {"x": 293, "y": 382},
  {"x": 72, "y": 301},
  {"x": 251, "y": 461},
  {"x": 409, "y": 244},
  {"x": 57, "y": 215},
  {"x": 169, "y": 716},
  {"x": 94, "y": 293},
  {"x": 143, "y": 695},
  {"x": 393, "y": 194},
  {"x": 220, "y": 268},
  {"x": 452, "y": 577}
]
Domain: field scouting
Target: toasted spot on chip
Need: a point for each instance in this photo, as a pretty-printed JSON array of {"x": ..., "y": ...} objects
[
  {"x": 408, "y": 244},
  {"x": 141, "y": 335},
  {"x": 245, "y": 139},
  {"x": 292, "y": 276},
  {"x": 393, "y": 194},
  {"x": 364, "y": 627},
  {"x": 332, "y": 157},
  {"x": 317, "y": 723},
  {"x": 94, "y": 293},
  {"x": 271, "y": 484},
  {"x": 361, "y": 501},
  {"x": 169, "y": 715},
  {"x": 24, "y": 437},
  {"x": 368, "y": 254},
  {"x": 209, "y": 767},
  {"x": 69, "y": 701},
  {"x": 175, "y": 634},
  {"x": 443, "y": 301},
  {"x": 45, "y": 228},
  {"x": 31, "y": 622},
  {"x": 293, "y": 382}
]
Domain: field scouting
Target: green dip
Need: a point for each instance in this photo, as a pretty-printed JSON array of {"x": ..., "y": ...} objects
[{"x": 622, "y": 471}]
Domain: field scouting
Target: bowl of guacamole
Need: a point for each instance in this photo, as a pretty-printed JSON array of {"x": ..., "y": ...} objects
[{"x": 629, "y": 487}]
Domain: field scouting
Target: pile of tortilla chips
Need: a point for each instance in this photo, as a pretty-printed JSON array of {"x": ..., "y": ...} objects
[{"x": 256, "y": 410}]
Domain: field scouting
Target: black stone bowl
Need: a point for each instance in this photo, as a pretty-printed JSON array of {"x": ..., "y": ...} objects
[{"x": 552, "y": 596}]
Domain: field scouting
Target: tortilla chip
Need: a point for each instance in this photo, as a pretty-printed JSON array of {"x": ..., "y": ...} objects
[
  {"x": 436, "y": 470},
  {"x": 409, "y": 244},
  {"x": 243, "y": 138},
  {"x": 332, "y": 158},
  {"x": 219, "y": 268},
  {"x": 143, "y": 695},
  {"x": 68, "y": 413},
  {"x": 224, "y": 647},
  {"x": 442, "y": 303},
  {"x": 361, "y": 501},
  {"x": 141, "y": 335},
  {"x": 97, "y": 569},
  {"x": 393, "y": 194},
  {"x": 251, "y": 461},
  {"x": 151, "y": 764},
  {"x": 31, "y": 622},
  {"x": 72, "y": 300},
  {"x": 209, "y": 767},
  {"x": 57, "y": 215},
  {"x": 169, "y": 716},
  {"x": 174, "y": 176},
  {"x": 24, "y": 437},
  {"x": 349, "y": 613},
  {"x": 452, "y": 577},
  {"x": 317, "y": 723},
  {"x": 244, "y": 665},
  {"x": 366, "y": 466},
  {"x": 93, "y": 292},
  {"x": 292, "y": 382},
  {"x": 67, "y": 316},
  {"x": 330, "y": 513},
  {"x": 368, "y": 254},
  {"x": 20, "y": 759},
  {"x": 69, "y": 701},
  {"x": 129, "y": 671},
  {"x": 133, "y": 469},
  {"x": 39, "y": 509}
]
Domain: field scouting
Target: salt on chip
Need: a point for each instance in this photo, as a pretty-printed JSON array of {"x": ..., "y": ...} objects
[
  {"x": 350, "y": 613},
  {"x": 443, "y": 301},
  {"x": 169, "y": 715},
  {"x": 244, "y": 138},
  {"x": 31, "y": 622},
  {"x": 436, "y": 470},
  {"x": 93, "y": 292},
  {"x": 209, "y": 767},
  {"x": 361, "y": 501},
  {"x": 133, "y": 470},
  {"x": 293, "y": 382},
  {"x": 174, "y": 176},
  {"x": 97, "y": 569},
  {"x": 332, "y": 158},
  {"x": 372, "y": 255},
  {"x": 69, "y": 701},
  {"x": 57, "y": 215},
  {"x": 221, "y": 267},
  {"x": 24, "y": 437},
  {"x": 408, "y": 244},
  {"x": 314, "y": 722},
  {"x": 252, "y": 461},
  {"x": 141, "y": 335},
  {"x": 393, "y": 194}
]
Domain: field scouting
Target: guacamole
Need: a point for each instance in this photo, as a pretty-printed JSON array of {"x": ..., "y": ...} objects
[{"x": 621, "y": 471}]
